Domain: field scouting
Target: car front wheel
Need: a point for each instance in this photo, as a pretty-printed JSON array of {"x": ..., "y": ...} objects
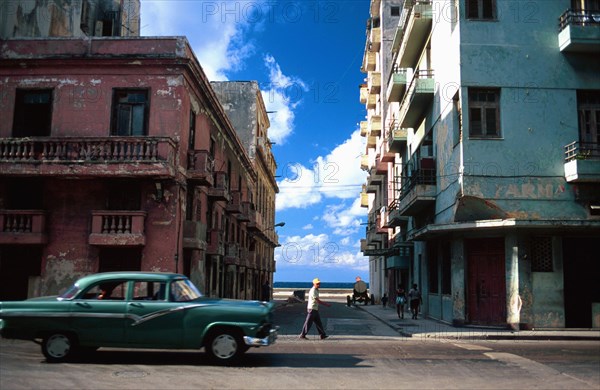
[
  {"x": 57, "y": 347},
  {"x": 225, "y": 346}
]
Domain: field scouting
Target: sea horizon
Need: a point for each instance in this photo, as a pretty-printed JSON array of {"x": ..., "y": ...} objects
[{"x": 308, "y": 285}]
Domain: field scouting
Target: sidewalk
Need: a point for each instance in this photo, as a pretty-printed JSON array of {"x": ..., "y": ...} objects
[{"x": 430, "y": 329}]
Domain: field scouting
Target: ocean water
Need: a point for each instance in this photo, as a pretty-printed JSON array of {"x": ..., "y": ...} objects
[{"x": 308, "y": 285}]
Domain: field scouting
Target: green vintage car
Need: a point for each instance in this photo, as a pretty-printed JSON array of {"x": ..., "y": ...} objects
[{"x": 138, "y": 310}]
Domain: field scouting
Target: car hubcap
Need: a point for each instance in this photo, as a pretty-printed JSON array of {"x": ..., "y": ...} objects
[
  {"x": 224, "y": 346},
  {"x": 58, "y": 346}
]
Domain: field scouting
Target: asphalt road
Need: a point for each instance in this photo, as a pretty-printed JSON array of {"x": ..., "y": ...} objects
[{"x": 362, "y": 353}]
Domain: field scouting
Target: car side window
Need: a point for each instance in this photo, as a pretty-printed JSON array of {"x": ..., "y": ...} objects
[
  {"x": 107, "y": 291},
  {"x": 149, "y": 291}
]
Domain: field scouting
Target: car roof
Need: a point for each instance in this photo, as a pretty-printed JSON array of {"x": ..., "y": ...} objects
[{"x": 130, "y": 275}]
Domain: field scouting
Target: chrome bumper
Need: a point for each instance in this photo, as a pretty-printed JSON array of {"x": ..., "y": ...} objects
[{"x": 258, "y": 342}]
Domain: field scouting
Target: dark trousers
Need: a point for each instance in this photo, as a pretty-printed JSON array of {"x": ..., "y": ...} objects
[{"x": 313, "y": 316}]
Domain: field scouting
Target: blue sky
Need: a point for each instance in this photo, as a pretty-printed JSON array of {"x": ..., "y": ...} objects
[{"x": 306, "y": 56}]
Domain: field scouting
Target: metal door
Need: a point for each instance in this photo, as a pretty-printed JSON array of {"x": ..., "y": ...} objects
[{"x": 486, "y": 283}]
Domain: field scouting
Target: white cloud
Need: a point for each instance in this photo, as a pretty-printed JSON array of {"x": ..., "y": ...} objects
[
  {"x": 282, "y": 96},
  {"x": 308, "y": 227},
  {"x": 216, "y": 30},
  {"x": 319, "y": 250},
  {"x": 337, "y": 175},
  {"x": 345, "y": 221}
]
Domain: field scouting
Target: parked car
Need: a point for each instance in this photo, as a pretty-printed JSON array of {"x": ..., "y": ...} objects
[{"x": 138, "y": 310}]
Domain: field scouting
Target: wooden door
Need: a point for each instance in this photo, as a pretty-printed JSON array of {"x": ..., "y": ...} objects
[{"x": 486, "y": 281}]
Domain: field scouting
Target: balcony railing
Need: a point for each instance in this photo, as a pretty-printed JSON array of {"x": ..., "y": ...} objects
[
  {"x": 579, "y": 31},
  {"x": 22, "y": 227},
  {"x": 413, "y": 30},
  {"x": 582, "y": 151},
  {"x": 418, "y": 96},
  {"x": 220, "y": 191},
  {"x": 118, "y": 228},
  {"x": 200, "y": 167},
  {"x": 423, "y": 176},
  {"x": 582, "y": 162},
  {"x": 52, "y": 154},
  {"x": 215, "y": 245},
  {"x": 579, "y": 18}
]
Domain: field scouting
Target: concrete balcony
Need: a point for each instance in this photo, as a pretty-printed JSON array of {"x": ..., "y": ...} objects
[
  {"x": 244, "y": 216},
  {"x": 381, "y": 167},
  {"x": 371, "y": 102},
  {"x": 194, "y": 235},
  {"x": 364, "y": 93},
  {"x": 374, "y": 179},
  {"x": 397, "y": 84},
  {"x": 582, "y": 162},
  {"x": 364, "y": 198},
  {"x": 375, "y": 39},
  {"x": 374, "y": 83},
  {"x": 385, "y": 154},
  {"x": 397, "y": 137},
  {"x": 374, "y": 126},
  {"x": 220, "y": 190},
  {"x": 215, "y": 245},
  {"x": 413, "y": 32},
  {"x": 371, "y": 141},
  {"x": 124, "y": 157},
  {"x": 369, "y": 61},
  {"x": 255, "y": 222},
  {"x": 118, "y": 228},
  {"x": 375, "y": 7},
  {"x": 419, "y": 191},
  {"x": 394, "y": 218},
  {"x": 364, "y": 128},
  {"x": 232, "y": 254},
  {"x": 417, "y": 99},
  {"x": 200, "y": 167},
  {"x": 364, "y": 162},
  {"x": 23, "y": 227},
  {"x": 235, "y": 203},
  {"x": 579, "y": 31}
]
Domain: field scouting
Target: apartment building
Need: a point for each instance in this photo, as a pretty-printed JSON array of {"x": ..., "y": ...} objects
[
  {"x": 245, "y": 107},
  {"x": 493, "y": 115},
  {"x": 120, "y": 161}
]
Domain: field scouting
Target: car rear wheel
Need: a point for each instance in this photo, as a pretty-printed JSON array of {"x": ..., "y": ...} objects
[
  {"x": 225, "y": 346},
  {"x": 57, "y": 347}
]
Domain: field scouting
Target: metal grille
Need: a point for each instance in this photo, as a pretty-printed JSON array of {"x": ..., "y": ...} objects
[{"x": 541, "y": 254}]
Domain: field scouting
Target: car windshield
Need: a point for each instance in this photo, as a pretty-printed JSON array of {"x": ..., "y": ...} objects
[
  {"x": 70, "y": 293},
  {"x": 184, "y": 290}
]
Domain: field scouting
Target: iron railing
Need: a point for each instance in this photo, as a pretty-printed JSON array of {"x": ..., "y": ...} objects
[
  {"x": 582, "y": 151},
  {"x": 579, "y": 17}
]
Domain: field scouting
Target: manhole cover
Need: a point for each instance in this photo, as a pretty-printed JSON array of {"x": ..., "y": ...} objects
[{"x": 130, "y": 374}]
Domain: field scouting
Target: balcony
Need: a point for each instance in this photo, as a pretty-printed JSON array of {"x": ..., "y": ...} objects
[
  {"x": 371, "y": 141},
  {"x": 374, "y": 179},
  {"x": 417, "y": 99},
  {"x": 375, "y": 6},
  {"x": 255, "y": 222},
  {"x": 200, "y": 167},
  {"x": 371, "y": 102},
  {"x": 418, "y": 190},
  {"x": 23, "y": 227},
  {"x": 235, "y": 203},
  {"x": 232, "y": 254},
  {"x": 397, "y": 137},
  {"x": 374, "y": 83},
  {"x": 369, "y": 61},
  {"x": 579, "y": 31},
  {"x": 375, "y": 39},
  {"x": 374, "y": 125},
  {"x": 194, "y": 235},
  {"x": 413, "y": 31},
  {"x": 385, "y": 153},
  {"x": 364, "y": 162},
  {"x": 397, "y": 84},
  {"x": 118, "y": 228},
  {"x": 244, "y": 216},
  {"x": 215, "y": 245},
  {"x": 582, "y": 162},
  {"x": 152, "y": 157},
  {"x": 364, "y": 125},
  {"x": 364, "y": 94},
  {"x": 381, "y": 167},
  {"x": 364, "y": 198},
  {"x": 220, "y": 190},
  {"x": 394, "y": 218},
  {"x": 251, "y": 261}
]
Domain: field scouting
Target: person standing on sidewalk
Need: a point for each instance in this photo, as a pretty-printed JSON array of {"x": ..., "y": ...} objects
[
  {"x": 415, "y": 299},
  {"x": 312, "y": 309},
  {"x": 400, "y": 301}
]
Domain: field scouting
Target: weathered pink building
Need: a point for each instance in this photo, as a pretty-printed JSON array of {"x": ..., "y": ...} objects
[{"x": 115, "y": 154}]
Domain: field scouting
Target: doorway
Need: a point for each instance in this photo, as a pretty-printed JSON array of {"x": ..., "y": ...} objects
[
  {"x": 581, "y": 275},
  {"x": 486, "y": 281}
]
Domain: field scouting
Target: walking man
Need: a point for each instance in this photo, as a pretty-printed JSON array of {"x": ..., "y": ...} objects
[
  {"x": 313, "y": 311},
  {"x": 414, "y": 297}
]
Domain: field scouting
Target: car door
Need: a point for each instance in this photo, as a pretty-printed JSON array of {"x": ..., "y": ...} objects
[
  {"x": 152, "y": 320},
  {"x": 98, "y": 314}
]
